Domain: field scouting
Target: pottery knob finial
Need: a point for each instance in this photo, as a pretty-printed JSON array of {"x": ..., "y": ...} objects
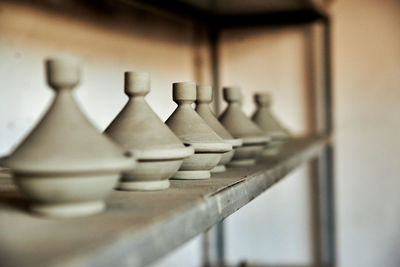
[
  {"x": 204, "y": 93},
  {"x": 137, "y": 83},
  {"x": 232, "y": 94},
  {"x": 262, "y": 99},
  {"x": 184, "y": 91},
  {"x": 63, "y": 72}
]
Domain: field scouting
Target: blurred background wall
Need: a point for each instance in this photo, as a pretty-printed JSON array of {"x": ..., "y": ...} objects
[
  {"x": 170, "y": 50},
  {"x": 275, "y": 227},
  {"x": 367, "y": 104},
  {"x": 366, "y": 69}
]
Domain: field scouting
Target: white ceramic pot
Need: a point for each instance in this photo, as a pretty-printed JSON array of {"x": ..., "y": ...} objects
[
  {"x": 154, "y": 168},
  {"x": 66, "y": 195},
  {"x": 240, "y": 126},
  {"x": 65, "y": 167},
  {"x": 138, "y": 129},
  {"x": 265, "y": 119},
  {"x": 204, "y": 98},
  {"x": 193, "y": 130}
]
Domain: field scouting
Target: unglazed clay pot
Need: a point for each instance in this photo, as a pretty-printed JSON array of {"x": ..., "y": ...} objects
[
  {"x": 137, "y": 128},
  {"x": 65, "y": 167},
  {"x": 204, "y": 98},
  {"x": 266, "y": 120},
  {"x": 192, "y": 129},
  {"x": 240, "y": 126}
]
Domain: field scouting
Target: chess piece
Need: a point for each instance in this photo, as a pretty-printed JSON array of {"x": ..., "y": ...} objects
[
  {"x": 204, "y": 98},
  {"x": 240, "y": 126},
  {"x": 65, "y": 167},
  {"x": 192, "y": 129},
  {"x": 137, "y": 128},
  {"x": 266, "y": 120}
]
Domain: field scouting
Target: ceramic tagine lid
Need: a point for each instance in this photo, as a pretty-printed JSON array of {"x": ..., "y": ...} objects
[
  {"x": 189, "y": 126},
  {"x": 266, "y": 120},
  {"x": 204, "y": 98},
  {"x": 139, "y": 129},
  {"x": 64, "y": 141},
  {"x": 237, "y": 123}
]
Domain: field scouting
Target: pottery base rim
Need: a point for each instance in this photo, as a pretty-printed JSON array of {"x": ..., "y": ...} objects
[
  {"x": 192, "y": 175},
  {"x": 143, "y": 185},
  {"x": 218, "y": 169},
  {"x": 68, "y": 210},
  {"x": 242, "y": 162},
  {"x": 270, "y": 152}
]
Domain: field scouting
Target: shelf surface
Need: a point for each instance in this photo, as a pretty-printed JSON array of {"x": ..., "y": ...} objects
[{"x": 139, "y": 227}]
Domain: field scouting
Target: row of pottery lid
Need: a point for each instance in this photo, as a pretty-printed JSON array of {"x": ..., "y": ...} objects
[{"x": 66, "y": 168}]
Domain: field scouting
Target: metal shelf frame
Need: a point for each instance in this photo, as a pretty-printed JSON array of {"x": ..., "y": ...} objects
[
  {"x": 323, "y": 167},
  {"x": 319, "y": 153}
]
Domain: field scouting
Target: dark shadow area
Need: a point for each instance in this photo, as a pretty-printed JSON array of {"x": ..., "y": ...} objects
[
  {"x": 123, "y": 17},
  {"x": 10, "y": 197}
]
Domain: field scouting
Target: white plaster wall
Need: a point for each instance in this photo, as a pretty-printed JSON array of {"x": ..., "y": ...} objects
[
  {"x": 189, "y": 255},
  {"x": 274, "y": 228}
]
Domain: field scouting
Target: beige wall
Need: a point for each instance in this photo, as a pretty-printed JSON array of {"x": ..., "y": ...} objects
[
  {"x": 367, "y": 97},
  {"x": 275, "y": 227},
  {"x": 269, "y": 60}
]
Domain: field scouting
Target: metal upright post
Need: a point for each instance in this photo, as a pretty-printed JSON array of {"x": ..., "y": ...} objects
[
  {"x": 327, "y": 177},
  {"x": 214, "y": 43},
  {"x": 213, "y": 240},
  {"x": 324, "y": 165}
]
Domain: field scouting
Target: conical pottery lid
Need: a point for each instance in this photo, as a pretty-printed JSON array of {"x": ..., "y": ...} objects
[
  {"x": 265, "y": 119},
  {"x": 139, "y": 129},
  {"x": 189, "y": 126},
  {"x": 203, "y": 100},
  {"x": 64, "y": 141},
  {"x": 237, "y": 123}
]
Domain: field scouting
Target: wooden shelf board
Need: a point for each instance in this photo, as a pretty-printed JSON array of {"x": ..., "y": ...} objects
[{"x": 139, "y": 227}]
